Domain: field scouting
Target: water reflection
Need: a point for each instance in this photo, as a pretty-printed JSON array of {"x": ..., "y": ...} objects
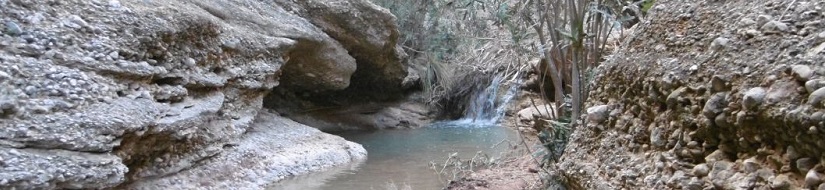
[{"x": 400, "y": 158}]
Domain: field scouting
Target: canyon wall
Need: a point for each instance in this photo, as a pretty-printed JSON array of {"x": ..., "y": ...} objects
[
  {"x": 149, "y": 94},
  {"x": 709, "y": 95}
]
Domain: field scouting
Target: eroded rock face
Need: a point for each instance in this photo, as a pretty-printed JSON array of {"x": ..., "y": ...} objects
[
  {"x": 697, "y": 112},
  {"x": 368, "y": 32},
  {"x": 267, "y": 153},
  {"x": 371, "y": 116},
  {"x": 96, "y": 94}
]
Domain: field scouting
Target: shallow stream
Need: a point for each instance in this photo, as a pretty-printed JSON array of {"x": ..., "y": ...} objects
[{"x": 402, "y": 158}]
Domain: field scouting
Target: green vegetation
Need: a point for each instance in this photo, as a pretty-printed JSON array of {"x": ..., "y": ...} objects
[
  {"x": 460, "y": 45},
  {"x": 457, "y": 47}
]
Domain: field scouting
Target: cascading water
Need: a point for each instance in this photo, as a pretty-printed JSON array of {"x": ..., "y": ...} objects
[
  {"x": 486, "y": 106},
  {"x": 403, "y": 157}
]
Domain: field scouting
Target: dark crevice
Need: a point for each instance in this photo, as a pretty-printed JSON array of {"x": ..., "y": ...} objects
[
  {"x": 170, "y": 81},
  {"x": 141, "y": 151},
  {"x": 218, "y": 70}
]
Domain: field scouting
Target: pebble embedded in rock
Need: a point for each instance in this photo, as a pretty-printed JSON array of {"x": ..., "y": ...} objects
[
  {"x": 812, "y": 179},
  {"x": 816, "y": 97},
  {"x": 13, "y": 29},
  {"x": 753, "y": 98},
  {"x": 714, "y": 106},
  {"x": 763, "y": 19},
  {"x": 115, "y": 4},
  {"x": 189, "y": 62},
  {"x": 719, "y": 43},
  {"x": 114, "y": 55},
  {"x": 820, "y": 37},
  {"x": 701, "y": 170},
  {"x": 231, "y": 43},
  {"x": 693, "y": 144},
  {"x": 718, "y": 84},
  {"x": 751, "y": 165},
  {"x": 805, "y": 164},
  {"x": 817, "y": 116},
  {"x": 656, "y": 138},
  {"x": 791, "y": 153},
  {"x": 693, "y": 184},
  {"x": 77, "y": 20},
  {"x": 782, "y": 181},
  {"x": 598, "y": 114},
  {"x": 774, "y": 27},
  {"x": 722, "y": 121},
  {"x": 747, "y": 21},
  {"x": 814, "y": 84},
  {"x": 802, "y": 73},
  {"x": 717, "y": 155},
  {"x": 821, "y": 187},
  {"x": 752, "y": 32},
  {"x": 694, "y": 68},
  {"x": 673, "y": 99},
  {"x": 7, "y": 108}
]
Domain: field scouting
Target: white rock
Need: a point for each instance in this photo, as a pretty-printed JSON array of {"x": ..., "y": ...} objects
[
  {"x": 719, "y": 43},
  {"x": 114, "y": 4},
  {"x": 189, "y": 62},
  {"x": 701, "y": 170},
  {"x": 533, "y": 112},
  {"x": 813, "y": 85},
  {"x": 114, "y": 55},
  {"x": 763, "y": 19},
  {"x": 774, "y": 27},
  {"x": 753, "y": 97},
  {"x": 598, "y": 114},
  {"x": 816, "y": 97},
  {"x": 812, "y": 179},
  {"x": 751, "y": 165},
  {"x": 802, "y": 73}
]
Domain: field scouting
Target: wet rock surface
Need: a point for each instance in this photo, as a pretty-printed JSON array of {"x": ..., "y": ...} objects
[
  {"x": 744, "y": 112},
  {"x": 99, "y": 94}
]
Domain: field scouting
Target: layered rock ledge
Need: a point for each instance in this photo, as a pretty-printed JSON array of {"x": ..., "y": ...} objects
[{"x": 139, "y": 93}]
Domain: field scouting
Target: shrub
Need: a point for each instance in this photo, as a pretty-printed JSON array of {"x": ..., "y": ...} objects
[{"x": 457, "y": 46}]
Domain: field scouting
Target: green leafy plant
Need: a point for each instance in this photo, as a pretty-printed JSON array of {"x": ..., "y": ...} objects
[
  {"x": 572, "y": 37},
  {"x": 647, "y": 4},
  {"x": 460, "y": 45}
]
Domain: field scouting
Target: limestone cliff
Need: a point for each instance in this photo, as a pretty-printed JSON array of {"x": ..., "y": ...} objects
[
  {"x": 134, "y": 93},
  {"x": 709, "y": 95}
]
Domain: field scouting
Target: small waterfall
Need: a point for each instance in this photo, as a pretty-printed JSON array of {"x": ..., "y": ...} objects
[{"x": 488, "y": 105}]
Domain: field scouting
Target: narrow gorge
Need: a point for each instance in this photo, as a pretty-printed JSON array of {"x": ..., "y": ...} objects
[{"x": 431, "y": 94}]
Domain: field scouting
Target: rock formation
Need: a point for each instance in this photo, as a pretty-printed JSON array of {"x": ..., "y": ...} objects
[
  {"x": 709, "y": 95},
  {"x": 143, "y": 93}
]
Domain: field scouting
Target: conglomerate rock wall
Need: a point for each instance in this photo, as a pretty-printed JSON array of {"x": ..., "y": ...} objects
[
  {"x": 121, "y": 93},
  {"x": 709, "y": 95}
]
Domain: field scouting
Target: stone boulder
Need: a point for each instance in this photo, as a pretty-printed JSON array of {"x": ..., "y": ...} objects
[{"x": 532, "y": 113}]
